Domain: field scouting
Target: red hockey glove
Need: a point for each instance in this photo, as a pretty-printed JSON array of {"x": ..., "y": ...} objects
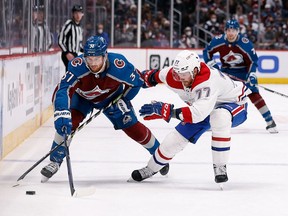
[{"x": 148, "y": 77}]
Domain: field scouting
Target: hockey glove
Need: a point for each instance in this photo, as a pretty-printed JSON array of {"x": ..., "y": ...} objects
[
  {"x": 157, "y": 110},
  {"x": 148, "y": 77},
  {"x": 118, "y": 108},
  {"x": 252, "y": 79},
  {"x": 63, "y": 122}
]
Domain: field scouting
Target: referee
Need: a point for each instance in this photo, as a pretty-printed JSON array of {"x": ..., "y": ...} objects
[
  {"x": 71, "y": 36},
  {"x": 42, "y": 39}
]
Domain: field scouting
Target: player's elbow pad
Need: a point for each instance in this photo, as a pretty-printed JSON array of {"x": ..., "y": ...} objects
[{"x": 132, "y": 93}]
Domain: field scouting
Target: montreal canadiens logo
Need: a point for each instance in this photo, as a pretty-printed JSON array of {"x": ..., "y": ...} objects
[{"x": 119, "y": 63}]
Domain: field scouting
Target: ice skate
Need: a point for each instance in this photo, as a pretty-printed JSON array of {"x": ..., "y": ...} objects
[
  {"x": 141, "y": 174},
  {"x": 220, "y": 172},
  {"x": 164, "y": 171},
  {"x": 272, "y": 127},
  {"x": 48, "y": 171}
]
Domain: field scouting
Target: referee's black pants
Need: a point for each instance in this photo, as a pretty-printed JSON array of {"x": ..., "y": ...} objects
[{"x": 65, "y": 60}]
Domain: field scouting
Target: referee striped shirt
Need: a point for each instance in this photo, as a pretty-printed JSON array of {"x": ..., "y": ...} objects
[
  {"x": 42, "y": 38},
  {"x": 70, "y": 37}
]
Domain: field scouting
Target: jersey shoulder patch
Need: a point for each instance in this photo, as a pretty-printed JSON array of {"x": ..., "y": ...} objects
[
  {"x": 117, "y": 60},
  {"x": 121, "y": 69},
  {"x": 245, "y": 40},
  {"x": 77, "y": 66},
  {"x": 119, "y": 63}
]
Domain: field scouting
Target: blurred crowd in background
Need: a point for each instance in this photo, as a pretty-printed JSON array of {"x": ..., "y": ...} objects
[{"x": 264, "y": 22}]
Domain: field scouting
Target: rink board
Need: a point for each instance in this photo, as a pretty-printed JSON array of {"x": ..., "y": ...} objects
[{"x": 27, "y": 87}]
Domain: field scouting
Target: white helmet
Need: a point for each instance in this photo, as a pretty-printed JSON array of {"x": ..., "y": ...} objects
[{"x": 185, "y": 62}]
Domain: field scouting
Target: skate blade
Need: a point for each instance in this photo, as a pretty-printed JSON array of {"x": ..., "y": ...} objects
[
  {"x": 221, "y": 186},
  {"x": 44, "y": 179},
  {"x": 272, "y": 131},
  {"x": 131, "y": 180}
]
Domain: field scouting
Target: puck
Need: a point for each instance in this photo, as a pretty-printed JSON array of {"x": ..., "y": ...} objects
[{"x": 30, "y": 192}]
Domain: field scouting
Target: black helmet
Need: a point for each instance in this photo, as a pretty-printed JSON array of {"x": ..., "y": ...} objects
[
  {"x": 77, "y": 8},
  {"x": 38, "y": 7}
]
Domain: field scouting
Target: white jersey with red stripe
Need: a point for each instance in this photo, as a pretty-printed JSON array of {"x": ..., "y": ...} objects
[{"x": 209, "y": 89}]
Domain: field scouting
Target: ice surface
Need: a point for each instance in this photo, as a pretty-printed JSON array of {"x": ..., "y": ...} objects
[{"x": 103, "y": 159}]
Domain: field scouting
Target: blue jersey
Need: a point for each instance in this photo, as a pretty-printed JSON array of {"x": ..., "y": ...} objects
[
  {"x": 120, "y": 77},
  {"x": 238, "y": 58}
]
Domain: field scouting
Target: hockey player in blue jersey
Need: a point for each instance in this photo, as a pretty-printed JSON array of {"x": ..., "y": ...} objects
[
  {"x": 239, "y": 59},
  {"x": 97, "y": 80}
]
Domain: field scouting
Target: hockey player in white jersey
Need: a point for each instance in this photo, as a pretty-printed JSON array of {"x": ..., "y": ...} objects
[{"x": 212, "y": 98}]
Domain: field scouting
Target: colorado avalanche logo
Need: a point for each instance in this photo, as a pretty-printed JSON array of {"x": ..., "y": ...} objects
[
  {"x": 76, "y": 61},
  {"x": 92, "y": 94},
  {"x": 233, "y": 58},
  {"x": 127, "y": 119},
  {"x": 245, "y": 40},
  {"x": 119, "y": 63}
]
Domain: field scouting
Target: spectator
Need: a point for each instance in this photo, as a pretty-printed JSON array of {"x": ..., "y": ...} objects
[
  {"x": 284, "y": 10},
  {"x": 71, "y": 36},
  {"x": 203, "y": 10},
  {"x": 243, "y": 27},
  {"x": 42, "y": 38},
  {"x": 187, "y": 40},
  {"x": 269, "y": 38},
  {"x": 212, "y": 25},
  {"x": 251, "y": 34},
  {"x": 102, "y": 33},
  {"x": 240, "y": 13},
  {"x": 267, "y": 13},
  {"x": 126, "y": 3}
]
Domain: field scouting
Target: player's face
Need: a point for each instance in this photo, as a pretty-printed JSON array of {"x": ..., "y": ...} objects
[
  {"x": 231, "y": 34},
  {"x": 95, "y": 63},
  {"x": 185, "y": 78}
]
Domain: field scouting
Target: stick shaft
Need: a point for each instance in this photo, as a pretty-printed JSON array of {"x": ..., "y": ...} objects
[
  {"x": 69, "y": 137},
  {"x": 69, "y": 168},
  {"x": 267, "y": 89},
  {"x": 56, "y": 147}
]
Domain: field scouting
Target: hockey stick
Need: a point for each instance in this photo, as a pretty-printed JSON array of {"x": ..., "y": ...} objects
[
  {"x": 79, "y": 192},
  {"x": 68, "y": 162},
  {"x": 56, "y": 147},
  {"x": 69, "y": 138},
  {"x": 267, "y": 89}
]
